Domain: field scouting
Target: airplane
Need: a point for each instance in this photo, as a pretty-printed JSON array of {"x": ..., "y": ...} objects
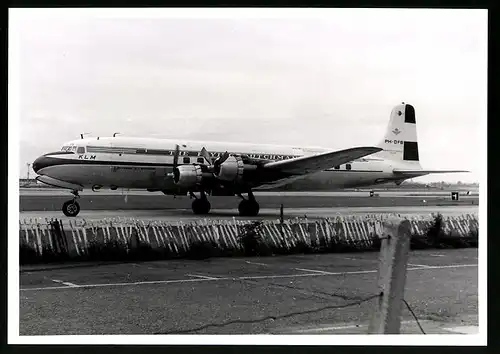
[{"x": 177, "y": 167}]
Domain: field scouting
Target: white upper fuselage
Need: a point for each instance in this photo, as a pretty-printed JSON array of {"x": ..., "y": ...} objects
[{"x": 127, "y": 162}]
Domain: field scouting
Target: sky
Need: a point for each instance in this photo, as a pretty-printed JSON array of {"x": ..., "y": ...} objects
[{"x": 324, "y": 78}]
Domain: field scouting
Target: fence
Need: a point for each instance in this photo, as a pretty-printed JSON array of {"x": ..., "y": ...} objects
[{"x": 72, "y": 239}]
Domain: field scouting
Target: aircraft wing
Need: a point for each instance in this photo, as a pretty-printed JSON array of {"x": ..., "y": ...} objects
[{"x": 314, "y": 163}]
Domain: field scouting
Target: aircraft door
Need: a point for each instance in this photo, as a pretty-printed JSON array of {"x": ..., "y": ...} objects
[{"x": 117, "y": 175}]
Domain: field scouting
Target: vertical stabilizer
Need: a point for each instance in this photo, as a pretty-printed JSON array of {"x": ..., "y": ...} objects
[{"x": 400, "y": 139}]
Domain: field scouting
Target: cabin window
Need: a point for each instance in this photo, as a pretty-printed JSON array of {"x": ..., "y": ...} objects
[
  {"x": 200, "y": 159},
  {"x": 348, "y": 167},
  {"x": 337, "y": 167},
  {"x": 80, "y": 150},
  {"x": 186, "y": 160}
]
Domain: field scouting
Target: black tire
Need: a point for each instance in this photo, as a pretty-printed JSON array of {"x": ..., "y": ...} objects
[
  {"x": 200, "y": 206},
  {"x": 71, "y": 208},
  {"x": 248, "y": 208}
]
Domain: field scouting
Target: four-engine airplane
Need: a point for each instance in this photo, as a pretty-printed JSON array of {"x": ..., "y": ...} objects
[{"x": 221, "y": 168}]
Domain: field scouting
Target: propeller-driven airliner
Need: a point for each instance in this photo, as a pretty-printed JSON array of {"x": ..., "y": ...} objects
[{"x": 203, "y": 168}]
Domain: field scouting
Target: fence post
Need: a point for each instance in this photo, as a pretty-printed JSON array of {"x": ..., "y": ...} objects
[{"x": 393, "y": 260}]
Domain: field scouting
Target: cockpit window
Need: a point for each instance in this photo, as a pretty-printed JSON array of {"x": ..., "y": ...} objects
[
  {"x": 71, "y": 148},
  {"x": 80, "y": 150}
]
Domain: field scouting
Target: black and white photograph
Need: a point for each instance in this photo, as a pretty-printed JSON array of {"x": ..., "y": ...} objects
[{"x": 299, "y": 175}]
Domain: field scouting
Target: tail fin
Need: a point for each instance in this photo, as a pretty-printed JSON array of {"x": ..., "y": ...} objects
[{"x": 400, "y": 140}]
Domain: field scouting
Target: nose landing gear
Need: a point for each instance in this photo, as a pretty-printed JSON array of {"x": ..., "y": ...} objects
[{"x": 71, "y": 208}]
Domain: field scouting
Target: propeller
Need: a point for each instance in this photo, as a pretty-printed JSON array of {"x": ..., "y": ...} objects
[
  {"x": 206, "y": 155},
  {"x": 176, "y": 155},
  {"x": 219, "y": 161},
  {"x": 176, "y": 160},
  {"x": 175, "y": 163}
]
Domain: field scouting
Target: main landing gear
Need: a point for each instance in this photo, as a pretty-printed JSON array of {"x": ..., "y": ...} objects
[
  {"x": 248, "y": 207},
  {"x": 200, "y": 205},
  {"x": 71, "y": 208}
]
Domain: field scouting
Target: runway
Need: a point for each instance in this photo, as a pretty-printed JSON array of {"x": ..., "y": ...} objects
[
  {"x": 142, "y": 205},
  {"x": 295, "y": 203},
  {"x": 300, "y": 294},
  {"x": 187, "y": 215}
]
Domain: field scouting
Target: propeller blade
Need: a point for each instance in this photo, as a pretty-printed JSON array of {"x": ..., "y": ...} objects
[
  {"x": 220, "y": 160},
  {"x": 206, "y": 155},
  {"x": 176, "y": 155},
  {"x": 224, "y": 157}
]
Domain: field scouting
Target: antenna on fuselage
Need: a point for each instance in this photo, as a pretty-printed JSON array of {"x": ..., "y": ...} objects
[
  {"x": 82, "y": 134},
  {"x": 114, "y": 134}
]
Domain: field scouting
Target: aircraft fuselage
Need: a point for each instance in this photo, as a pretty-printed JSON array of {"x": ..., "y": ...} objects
[{"x": 148, "y": 163}]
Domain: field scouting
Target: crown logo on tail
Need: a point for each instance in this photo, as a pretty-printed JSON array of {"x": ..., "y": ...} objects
[{"x": 396, "y": 131}]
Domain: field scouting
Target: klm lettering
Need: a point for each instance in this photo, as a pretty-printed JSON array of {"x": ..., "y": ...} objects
[{"x": 86, "y": 157}]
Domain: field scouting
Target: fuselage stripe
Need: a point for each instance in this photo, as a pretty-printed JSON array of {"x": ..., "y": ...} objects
[{"x": 125, "y": 164}]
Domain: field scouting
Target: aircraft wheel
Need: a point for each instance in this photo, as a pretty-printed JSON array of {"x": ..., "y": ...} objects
[
  {"x": 201, "y": 206},
  {"x": 71, "y": 208},
  {"x": 248, "y": 208}
]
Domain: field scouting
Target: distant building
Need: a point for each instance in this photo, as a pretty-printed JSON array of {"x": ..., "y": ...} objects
[{"x": 25, "y": 182}]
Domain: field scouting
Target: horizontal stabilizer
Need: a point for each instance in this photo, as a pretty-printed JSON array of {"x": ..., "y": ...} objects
[
  {"x": 413, "y": 172},
  {"x": 315, "y": 163}
]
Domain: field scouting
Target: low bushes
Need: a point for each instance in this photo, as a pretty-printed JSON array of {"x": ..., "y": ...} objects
[{"x": 435, "y": 237}]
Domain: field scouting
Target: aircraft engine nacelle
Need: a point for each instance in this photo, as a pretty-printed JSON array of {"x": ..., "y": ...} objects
[
  {"x": 188, "y": 176},
  {"x": 231, "y": 170}
]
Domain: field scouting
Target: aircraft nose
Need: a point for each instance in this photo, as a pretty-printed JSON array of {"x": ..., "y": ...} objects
[{"x": 39, "y": 163}]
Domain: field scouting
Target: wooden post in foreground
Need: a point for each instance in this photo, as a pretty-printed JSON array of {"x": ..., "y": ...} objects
[{"x": 393, "y": 260}]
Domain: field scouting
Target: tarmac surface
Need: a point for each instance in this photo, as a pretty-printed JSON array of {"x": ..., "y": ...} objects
[
  {"x": 43, "y": 203},
  {"x": 299, "y": 294},
  {"x": 138, "y": 200}
]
